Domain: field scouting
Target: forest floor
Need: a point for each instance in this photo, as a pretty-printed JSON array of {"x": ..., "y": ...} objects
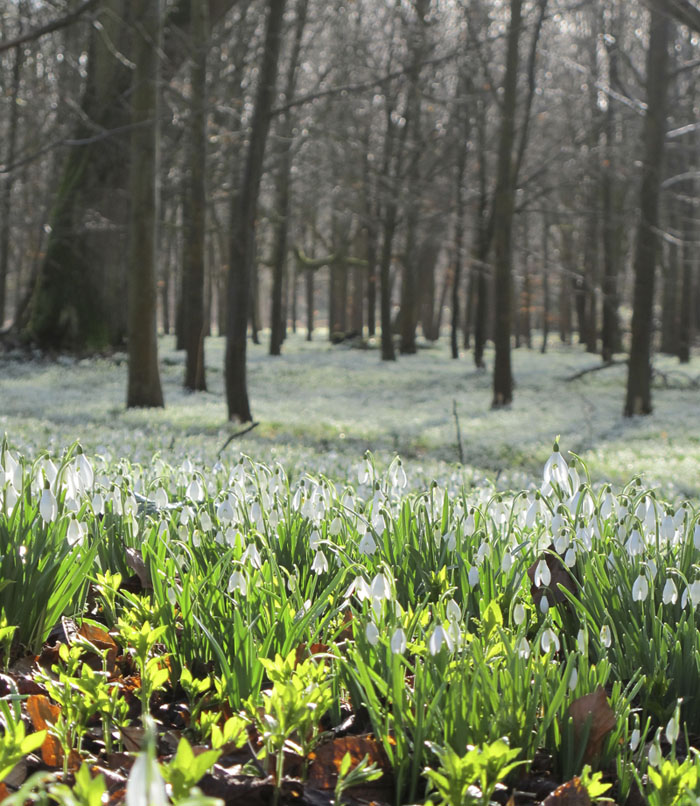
[{"x": 320, "y": 407}]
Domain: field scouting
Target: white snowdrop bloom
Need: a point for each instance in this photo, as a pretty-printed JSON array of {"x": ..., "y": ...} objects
[
  {"x": 640, "y": 589},
  {"x": 544, "y": 605},
  {"x": 130, "y": 505},
  {"x": 518, "y": 614},
  {"x": 650, "y": 517},
  {"x": 162, "y": 529},
  {"x": 483, "y": 552},
  {"x": 549, "y": 640},
  {"x": 380, "y": 587},
  {"x": 320, "y": 564},
  {"x": 635, "y": 738},
  {"x": 668, "y": 529},
  {"x": 398, "y": 642},
  {"x": 219, "y": 538},
  {"x": 557, "y": 523},
  {"x": 205, "y": 521},
  {"x": 696, "y": 535},
  {"x": 453, "y": 611},
  {"x": 473, "y": 576},
  {"x": 70, "y": 504},
  {"x": 76, "y": 532},
  {"x": 635, "y": 545},
  {"x": 670, "y": 592},
  {"x": 606, "y": 505},
  {"x": 584, "y": 535},
  {"x": 450, "y": 540},
  {"x": 186, "y": 515},
  {"x": 160, "y": 498},
  {"x": 255, "y": 511},
  {"x": 506, "y": 562},
  {"x": 335, "y": 527},
  {"x": 581, "y": 641},
  {"x": 372, "y": 633},
  {"x": 573, "y": 680},
  {"x": 98, "y": 504},
  {"x": 543, "y": 575},
  {"x": 642, "y": 508},
  {"x": 251, "y": 556},
  {"x": 570, "y": 557},
  {"x": 655, "y": 756},
  {"x": 367, "y": 546},
  {"x": 562, "y": 541},
  {"x": 694, "y": 593},
  {"x": 48, "y": 506},
  {"x": 556, "y": 469},
  {"x": 436, "y": 640},
  {"x": 605, "y": 636},
  {"x": 364, "y": 474},
  {"x": 238, "y": 582},
  {"x": 85, "y": 471},
  {"x": 196, "y": 538},
  {"x": 672, "y": 730},
  {"x": 524, "y": 648},
  {"x": 679, "y": 517},
  {"x": 116, "y": 500},
  {"x": 532, "y": 512},
  {"x": 378, "y": 523},
  {"x": 314, "y": 539},
  {"x": 651, "y": 565},
  {"x": 224, "y": 511},
  {"x": 397, "y": 475},
  {"x": 574, "y": 478},
  {"x": 50, "y": 471},
  {"x": 187, "y": 467}
]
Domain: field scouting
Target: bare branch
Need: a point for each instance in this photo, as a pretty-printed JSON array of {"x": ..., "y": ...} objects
[{"x": 50, "y": 27}]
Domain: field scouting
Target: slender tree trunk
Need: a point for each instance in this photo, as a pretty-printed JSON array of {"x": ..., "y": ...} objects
[
  {"x": 688, "y": 261},
  {"x": 458, "y": 236},
  {"x": 545, "y": 284},
  {"x": 504, "y": 203},
  {"x": 309, "y": 281},
  {"x": 283, "y": 190},
  {"x": 638, "y": 400},
  {"x": 8, "y": 181},
  {"x": 244, "y": 215},
  {"x": 144, "y": 380},
  {"x": 196, "y": 201}
]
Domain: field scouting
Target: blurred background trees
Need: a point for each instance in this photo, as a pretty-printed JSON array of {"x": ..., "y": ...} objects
[{"x": 500, "y": 168}]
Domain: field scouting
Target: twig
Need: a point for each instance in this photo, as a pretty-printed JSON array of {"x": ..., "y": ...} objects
[
  {"x": 49, "y": 28},
  {"x": 596, "y": 368},
  {"x": 235, "y": 436},
  {"x": 459, "y": 432}
]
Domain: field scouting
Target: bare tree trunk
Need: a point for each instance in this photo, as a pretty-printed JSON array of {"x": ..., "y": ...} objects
[
  {"x": 196, "y": 201},
  {"x": 143, "y": 379},
  {"x": 638, "y": 400},
  {"x": 545, "y": 284},
  {"x": 504, "y": 203},
  {"x": 244, "y": 215}
]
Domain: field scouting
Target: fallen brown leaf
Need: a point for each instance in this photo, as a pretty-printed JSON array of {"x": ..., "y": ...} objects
[
  {"x": 560, "y": 575},
  {"x": 327, "y": 758},
  {"x": 592, "y": 708},
  {"x": 572, "y": 793}
]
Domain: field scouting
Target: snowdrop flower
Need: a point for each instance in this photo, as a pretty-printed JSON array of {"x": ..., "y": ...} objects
[
  {"x": 320, "y": 564},
  {"x": 670, "y": 592},
  {"x": 556, "y": 469},
  {"x": 372, "y": 633},
  {"x": 251, "y": 555},
  {"x": 450, "y": 540},
  {"x": 524, "y": 648},
  {"x": 635, "y": 738},
  {"x": 532, "y": 512},
  {"x": 583, "y": 534},
  {"x": 544, "y": 605},
  {"x": 605, "y": 636},
  {"x": 453, "y": 611},
  {"x": 694, "y": 593},
  {"x": 581, "y": 641},
  {"x": 238, "y": 582},
  {"x": 570, "y": 557},
  {"x": 367, "y": 545},
  {"x": 696, "y": 535},
  {"x": 473, "y": 576},
  {"x": 314, "y": 539},
  {"x": 635, "y": 545},
  {"x": 205, "y": 521},
  {"x": 651, "y": 565},
  {"x": 76, "y": 532},
  {"x": 380, "y": 588},
  {"x": 506, "y": 562},
  {"x": 640, "y": 589},
  {"x": 543, "y": 575},
  {"x": 48, "y": 507},
  {"x": 365, "y": 472},
  {"x": 549, "y": 639},
  {"x": 98, "y": 504},
  {"x": 397, "y": 475},
  {"x": 398, "y": 642},
  {"x": 186, "y": 515},
  {"x": 672, "y": 730},
  {"x": 160, "y": 498},
  {"x": 335, "y": 527},
  {"x": 518, "y": 614},
  {"x": 668, "y": 529},
  {"x": 655, "y": 757},
  {"x": 224, "y": 512},
  {"x": 85, "y": 472},
  {"x": 573, "y": 680},
  {"x": 436, "y": 640}
]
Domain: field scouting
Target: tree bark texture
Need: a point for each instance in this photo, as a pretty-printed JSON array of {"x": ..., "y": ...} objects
[
  {"x": 143, "y": 378},
  {"x": 638, "y": 399},
  {"x": 243, "y": 223}
]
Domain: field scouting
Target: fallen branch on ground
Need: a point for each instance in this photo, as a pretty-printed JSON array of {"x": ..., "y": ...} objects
[{"x": 235, "y": 436}]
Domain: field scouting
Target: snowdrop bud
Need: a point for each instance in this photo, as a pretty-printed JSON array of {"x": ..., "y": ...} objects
[
  {"x": 672, "y": 730},
  {"x": 573, "y": 680},
  {"x": 581, "y": 641},
  {"x": 398, "y": 642},
  {"x": 506, "y": 562},
  {"x": 670, "y": 592},
  {"x": 635, "y": 738},
  {"x": 372, "y": 633},
  {"x": 518, "y": 614},
  {"x": 453, "y": 611},
  {"x": 314, "y": 539},
  {"x": 605, "y": 636},
  {"x": 531, "y": 515},
  {"x": 694, "y": 593},
  {"x": 320, "y": 564},
  {"x": 544, "y": 605},
  {"x": 655, "y": 757},
  {"x": 473, "y": 576},
  {"x": 48, "y": 507},
  {"x": 436, "y": 640},
  {"x": 570, "y": 558}
]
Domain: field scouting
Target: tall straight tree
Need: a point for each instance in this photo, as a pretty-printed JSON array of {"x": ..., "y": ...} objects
[
  {"x": 503, "y": 209},
  {"x": 144, "y": 380},
  {"x": 243, "y": 222},
  {"x": 195, "y": 202},
  {"x": 638, "y": 399}
]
